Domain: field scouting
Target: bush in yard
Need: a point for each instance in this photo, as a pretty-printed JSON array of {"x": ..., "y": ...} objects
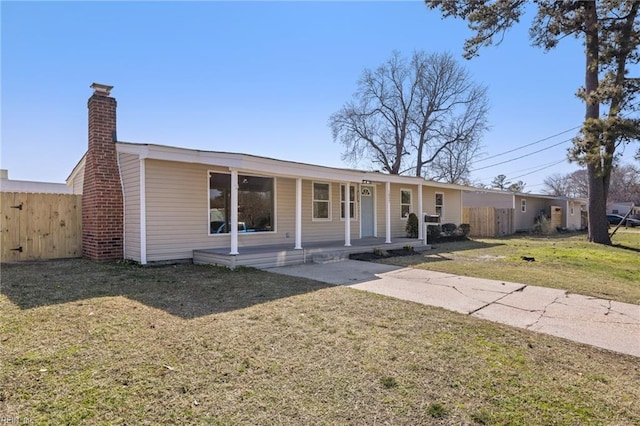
[
  {"x": 412, "y": 226},
  {"x": 449, "y": 228},
  {"x": 433, "y": 233},
  {"x": 542, "y": 225},
  {"x": 465, "y": 229}
]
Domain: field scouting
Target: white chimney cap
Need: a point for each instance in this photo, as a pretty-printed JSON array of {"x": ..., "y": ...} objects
[{"x": 101, "y": 89}]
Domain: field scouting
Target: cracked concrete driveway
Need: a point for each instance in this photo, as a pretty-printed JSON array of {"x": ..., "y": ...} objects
[
  {"x": 598, "y": 322},
  {"x": 606, "y": 324}
]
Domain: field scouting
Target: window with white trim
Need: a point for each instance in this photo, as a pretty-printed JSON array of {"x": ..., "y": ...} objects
[
  {"x": 256, "y": 203},
  {"x": 572, "y": 208},
  {"x": 523, "y": 205},
  {"x": 352, "y": 202},
  {"x": 405, "y": 203},
  {"x": 321, "y": 201},
  {"x": 440, "y": 204}
]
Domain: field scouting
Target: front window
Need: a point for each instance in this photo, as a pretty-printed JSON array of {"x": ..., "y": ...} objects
[
  {"x": 405, "y": 203},
  {"x": 352, "y": 202},
  {"x": 321, "y": 201},
  {"x": 439, "y": 204},
  {"x": 523, "y": 206},
  {"x": 255, "y": 203}
]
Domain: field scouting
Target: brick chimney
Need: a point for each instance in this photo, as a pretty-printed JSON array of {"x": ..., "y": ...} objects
[{"x": 102, "y": 201}]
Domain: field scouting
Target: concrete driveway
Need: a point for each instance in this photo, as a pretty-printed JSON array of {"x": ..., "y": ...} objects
[{"x": 606, "y": 324}]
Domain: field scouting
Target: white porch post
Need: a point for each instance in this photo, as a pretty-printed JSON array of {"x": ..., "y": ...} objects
[
  {"x": 388, "y": 212},
  {"x": 347, "y": 215},
  {"x": 420, "y": 211},
  {"x": 298, "y": 214},
  {"x": 234, "y": 213}
]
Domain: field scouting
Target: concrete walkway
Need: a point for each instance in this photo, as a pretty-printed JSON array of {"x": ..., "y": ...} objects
[{"x": 606, "y": 324}]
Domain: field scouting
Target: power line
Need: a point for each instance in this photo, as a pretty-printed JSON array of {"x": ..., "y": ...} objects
[
  {"x": 537, "y": 166},
  {"x": 528, "y": 145},
  {"x": 542, "y": 168},
  {"x": 522, "y": 156}
]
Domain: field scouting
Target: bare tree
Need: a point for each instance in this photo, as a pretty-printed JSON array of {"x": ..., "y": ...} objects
[
  {"x": 406, "y": 113},
  {"x": 572, "y": 185},
  {"x": 451, "y": 165},
  {"x": 611, "y": 33},
  {"x": 625, "y": 184}
]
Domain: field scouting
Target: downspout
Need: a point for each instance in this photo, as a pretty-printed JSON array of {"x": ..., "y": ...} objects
[{"x": 124, "y": 202}]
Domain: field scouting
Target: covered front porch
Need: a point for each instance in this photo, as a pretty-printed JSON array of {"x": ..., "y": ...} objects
[{"x": 271, "y": 256}]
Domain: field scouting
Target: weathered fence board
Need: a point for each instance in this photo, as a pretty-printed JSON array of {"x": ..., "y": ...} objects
[
  {"x": 40, "y": 226},
  {"x": 488, "y": 221}
]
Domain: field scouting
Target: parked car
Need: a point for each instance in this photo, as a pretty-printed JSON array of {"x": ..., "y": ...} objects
[
  {"x": 218, "y": 227},
  {"x": 615, "y": 219}
]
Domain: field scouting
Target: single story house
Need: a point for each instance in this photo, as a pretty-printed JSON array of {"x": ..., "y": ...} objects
[
  {"x": 623, "y": 208},
  {"x": 153, "y": 203},
  {"x": 565, "y": 213},
  {"x": 10, "y": 185}
]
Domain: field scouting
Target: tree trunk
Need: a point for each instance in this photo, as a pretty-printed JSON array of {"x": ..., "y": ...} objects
[{"x": 597, "y": 205}]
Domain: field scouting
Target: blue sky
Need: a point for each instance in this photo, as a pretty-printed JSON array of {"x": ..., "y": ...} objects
[{"x": 256, "y": 77}]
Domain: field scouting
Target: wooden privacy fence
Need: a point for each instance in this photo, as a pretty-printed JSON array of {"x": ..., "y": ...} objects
[
  {"x": 40, "y": 226},
  {"x": 489, "y": 221}
]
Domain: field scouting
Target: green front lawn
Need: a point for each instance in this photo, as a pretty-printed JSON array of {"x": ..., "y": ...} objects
[
  {"x": 564, "y": 261},
  {"x": 87, "y": 343}
]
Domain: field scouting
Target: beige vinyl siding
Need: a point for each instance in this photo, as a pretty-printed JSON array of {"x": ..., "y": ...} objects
[
  {"x": 177, "y": 209},
  {"x": 525, "y": 220},
  {"x": 324, "y": 230},
  {"x": 452, "y": 204},
  {"x": 177, "y": 197},
  {"x": 177, "y": 213},
  {"x": 574, "y": 221},
  {"x": 130, "y": 175},
  {"x": 488, "y": 199},
  {"x": 78, "y": 181}
]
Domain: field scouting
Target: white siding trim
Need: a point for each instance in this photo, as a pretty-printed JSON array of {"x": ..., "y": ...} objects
[
  {"x": 420, "y": 211},
  {"x": 347, "y": 213},
  {"x": 298, "y": 225},
  {"x": 143, "y": 213},
  {"x": 313, "y": 200},
  {"x": 234, "y": 212},
  {"x": 388, "y": 212}
]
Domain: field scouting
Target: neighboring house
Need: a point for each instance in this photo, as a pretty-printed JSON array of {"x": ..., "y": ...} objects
[
  {"x": 152, "y": 203},
  {"x": 623, "y": 208},
  {"x": 8, "y": 185},
  {"x": 565, "y": 213}
]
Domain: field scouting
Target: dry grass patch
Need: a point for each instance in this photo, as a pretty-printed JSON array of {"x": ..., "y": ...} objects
[
  {"x": 563, "y": 261},
  {"x": 86, "y": 343}
]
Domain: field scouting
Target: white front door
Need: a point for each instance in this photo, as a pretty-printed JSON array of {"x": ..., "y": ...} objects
[{"x": 367, "y": 209}]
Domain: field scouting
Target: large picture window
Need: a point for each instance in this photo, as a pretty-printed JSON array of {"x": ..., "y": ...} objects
[
  {"x": 352, "y": 202},
  {"x": 255, "y": 203},
  {"x": 321, "y": 201}
]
